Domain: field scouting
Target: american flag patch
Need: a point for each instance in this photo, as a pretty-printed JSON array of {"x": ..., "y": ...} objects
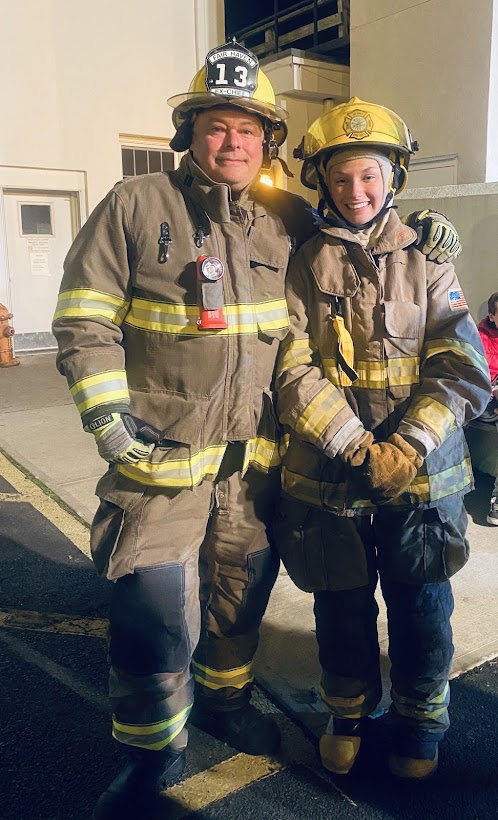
[{"x": 456, "y": 299}]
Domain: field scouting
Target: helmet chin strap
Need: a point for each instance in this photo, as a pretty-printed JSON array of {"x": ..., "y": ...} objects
[{"x": 270, "y": 151}]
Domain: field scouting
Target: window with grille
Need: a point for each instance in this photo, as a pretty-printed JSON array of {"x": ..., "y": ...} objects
[{"x": 145, "y": 159}]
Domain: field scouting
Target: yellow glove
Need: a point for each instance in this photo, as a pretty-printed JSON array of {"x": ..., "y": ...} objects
[
  {"x": 437, "y": 236},
  {"x": 388, "y": 468},
  {"x": 115, "y": 437}
]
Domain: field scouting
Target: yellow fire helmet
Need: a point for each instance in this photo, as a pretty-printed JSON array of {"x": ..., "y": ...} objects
[
  {"x": 230, "y": 76},
  {"x": 357, "y": 124}
]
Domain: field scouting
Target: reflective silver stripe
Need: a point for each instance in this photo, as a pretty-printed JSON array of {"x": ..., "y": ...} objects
[
  {"x": 163, "y": 317},
  {"x": 100, "y": 389},
  {"x": 84, "y": 303}
]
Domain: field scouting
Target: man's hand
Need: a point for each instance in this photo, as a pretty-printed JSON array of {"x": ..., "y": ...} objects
[
  {"x": 115, "y": 437},
  {"x": 387, "y": 468},
  {"x": 437, "y": 236}
]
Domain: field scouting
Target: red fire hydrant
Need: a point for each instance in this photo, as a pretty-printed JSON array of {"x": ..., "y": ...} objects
[{"x": 7, "y": 358}]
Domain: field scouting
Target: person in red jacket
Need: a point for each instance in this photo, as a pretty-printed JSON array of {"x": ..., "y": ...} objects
[{"x": 488, "y": 331}]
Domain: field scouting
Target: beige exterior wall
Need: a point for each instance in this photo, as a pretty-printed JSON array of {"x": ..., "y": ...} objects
[
  {"x": 474, "y": 210},
  {"x": 301, "y": 113},
  {"x": 492, "y": 147},
  {"x": 429, "y": 60},
  {"x": 80, "y": 74},
  {"x": 303, "y": 85}
]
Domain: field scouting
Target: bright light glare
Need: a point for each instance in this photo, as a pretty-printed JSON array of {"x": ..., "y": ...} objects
[{"x": 266, "y": 179}]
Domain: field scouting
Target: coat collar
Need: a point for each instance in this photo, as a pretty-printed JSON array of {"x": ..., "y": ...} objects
[
  {"x": 394, "y": 237},
  {"x": 213, "y": 197},
  {"x": 340, "y": 278}
]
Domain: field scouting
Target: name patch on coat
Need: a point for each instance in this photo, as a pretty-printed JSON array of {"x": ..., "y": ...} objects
[{"x": 457, "y": 299}]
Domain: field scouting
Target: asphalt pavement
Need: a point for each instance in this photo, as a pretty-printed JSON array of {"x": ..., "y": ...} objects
[{"x": 56, "y": 754}]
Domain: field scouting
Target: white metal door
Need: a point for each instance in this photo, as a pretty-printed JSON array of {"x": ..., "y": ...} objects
[{"x": 40, "y": 228}]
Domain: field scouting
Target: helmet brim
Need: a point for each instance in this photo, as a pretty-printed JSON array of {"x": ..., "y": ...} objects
[{"x": 183, "y": 104}]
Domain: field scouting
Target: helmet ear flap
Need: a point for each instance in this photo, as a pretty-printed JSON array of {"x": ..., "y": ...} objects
[
  {"x": 400, "y": 177},
  {"x": 183, "y": 137}
]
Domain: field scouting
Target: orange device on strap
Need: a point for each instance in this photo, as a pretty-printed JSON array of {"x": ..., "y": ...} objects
[{"x": 211, "y": 302}]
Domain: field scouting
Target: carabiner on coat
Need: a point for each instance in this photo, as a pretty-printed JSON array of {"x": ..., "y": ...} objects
[
  {"x": 199, "y": 237},
  {"x": 164, "y": 242}
]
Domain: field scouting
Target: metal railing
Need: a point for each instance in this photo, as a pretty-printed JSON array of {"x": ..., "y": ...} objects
[{"x": 321, "y": 26}]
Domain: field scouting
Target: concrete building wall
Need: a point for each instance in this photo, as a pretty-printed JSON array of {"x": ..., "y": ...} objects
[
  {"x": 474, "y": 210},
  {"x": 429, "y": 60},
  {"x": 80, "y": 74},
  {"x": 492, "y": 135},
  {"x": 29, "y": 127}
]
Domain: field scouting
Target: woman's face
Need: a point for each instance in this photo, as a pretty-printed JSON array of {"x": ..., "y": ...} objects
[{"x": 357, "y": 188}]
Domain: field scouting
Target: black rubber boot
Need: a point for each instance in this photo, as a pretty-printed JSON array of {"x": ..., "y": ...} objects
[
  {"x": 135, "y": 792},
  {"x": 245, "y": 729}
]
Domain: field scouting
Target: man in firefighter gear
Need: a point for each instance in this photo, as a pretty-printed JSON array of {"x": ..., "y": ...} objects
[
  {"x": 381, "y": 369},
  {"x": 168, "y": 322}
]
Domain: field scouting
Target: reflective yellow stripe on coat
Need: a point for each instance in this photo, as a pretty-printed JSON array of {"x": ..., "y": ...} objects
[
  {"x": 190, "y": 470},
  {"x": 331, "y": 496},
  {"x": 110, "y": 387},
  {"x": 162, "y": 317},
  {"x": 84, "y": 303}
]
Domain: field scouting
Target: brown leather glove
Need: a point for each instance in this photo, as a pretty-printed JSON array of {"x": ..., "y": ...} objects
[
  {"x": 388, "y": 468},
  {"x": 354, "y": 453}
]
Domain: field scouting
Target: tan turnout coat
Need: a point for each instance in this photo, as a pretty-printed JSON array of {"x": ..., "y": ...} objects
[
  {"x": 126, "y": 322},
  {"x": 417, "y": 354}
]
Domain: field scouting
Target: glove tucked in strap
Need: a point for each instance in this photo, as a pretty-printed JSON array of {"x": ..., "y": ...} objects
[
  {"x": 437, "y": 237},
  {"x": 115, "y": 437}
]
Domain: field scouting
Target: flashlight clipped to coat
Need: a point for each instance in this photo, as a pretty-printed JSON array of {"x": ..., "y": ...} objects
[{"x": 211, "y": 301}]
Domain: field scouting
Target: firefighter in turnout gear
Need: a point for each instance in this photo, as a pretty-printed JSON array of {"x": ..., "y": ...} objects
[
  {"x": 381, "y": 369},
  {"x": 168, "y": 323}
]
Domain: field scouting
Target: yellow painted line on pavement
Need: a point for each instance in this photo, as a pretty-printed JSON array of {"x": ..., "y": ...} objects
[
  {"x": 241, "y": 770},
  {"x": 66, "y": 522},
  {"x": 53, "y": 622},
  {"x": 200, "y": 790},
  {"x": 220, "y": 781}
]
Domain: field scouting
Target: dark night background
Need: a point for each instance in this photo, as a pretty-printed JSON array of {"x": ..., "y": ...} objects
[
  {"x": 239, "y": 15},
  {"x": 327, "y": 41}
]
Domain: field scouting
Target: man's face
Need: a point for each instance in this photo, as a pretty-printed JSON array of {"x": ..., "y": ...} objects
[
  {"x": 357, "y": 188},
  {"x": 228, "y": 145}
]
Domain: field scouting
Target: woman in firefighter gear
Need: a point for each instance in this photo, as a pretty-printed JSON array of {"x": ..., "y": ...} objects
[
  {"x": 168, "y": 322},
  {"x": 381, "y": 369}
]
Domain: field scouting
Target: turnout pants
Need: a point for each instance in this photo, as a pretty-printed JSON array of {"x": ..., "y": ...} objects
[
  {"x": 413, "y": 553},
  {"x": 193, "y": 572}
]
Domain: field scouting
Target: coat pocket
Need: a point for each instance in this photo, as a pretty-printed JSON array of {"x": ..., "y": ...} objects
[
  {"x": 425, "y": 546},
  {"x": 320, "y": 551},
  {"x": 402, "y": 322},
  {"x": 112, "y": 536},
  {"x": 269, "y": 259},
  {"x": 179, "y": 417}
]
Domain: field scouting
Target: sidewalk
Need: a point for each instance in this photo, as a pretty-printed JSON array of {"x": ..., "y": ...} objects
[{"x": 40, "y": 429}]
